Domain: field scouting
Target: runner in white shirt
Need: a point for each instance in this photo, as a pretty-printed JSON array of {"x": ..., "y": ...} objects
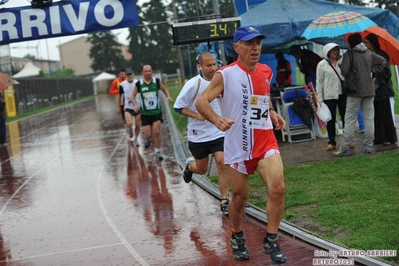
[
  {"x": 204, "y": 138},
  {"x": 243, "y": 90},
  {"x": 125, "y": 92}
]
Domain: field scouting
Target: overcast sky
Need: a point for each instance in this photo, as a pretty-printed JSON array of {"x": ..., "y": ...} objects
[{"x": 47, "y": 48}]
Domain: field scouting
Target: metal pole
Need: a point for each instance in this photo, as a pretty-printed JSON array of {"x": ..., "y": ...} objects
[
  {"x": 179, "y": 52},
  {"x": 37, "y": 50},
  {"x": 48, "y": 58},
  {"x": 188, "y": 46},
  {"x": 215, "y": 7}
]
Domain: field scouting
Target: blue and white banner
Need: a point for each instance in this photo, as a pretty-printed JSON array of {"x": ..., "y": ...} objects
[{"x": 65, "y": 18}]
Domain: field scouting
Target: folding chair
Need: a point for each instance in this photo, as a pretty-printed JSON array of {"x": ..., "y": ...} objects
[{"x": 295, "y": 125}]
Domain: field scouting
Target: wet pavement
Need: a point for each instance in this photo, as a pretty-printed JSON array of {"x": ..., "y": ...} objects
[
  {"x": 315, "y": 150},
  {"x": 73, "y": 191}
]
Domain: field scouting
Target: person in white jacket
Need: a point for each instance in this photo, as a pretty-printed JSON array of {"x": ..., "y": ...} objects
[
  {"x": 204, "y": 138},
  {"x": 329, "y": 91}
]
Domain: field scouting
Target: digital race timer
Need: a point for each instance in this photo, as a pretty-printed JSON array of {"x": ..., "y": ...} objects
[{"x": 205, "y": 30}]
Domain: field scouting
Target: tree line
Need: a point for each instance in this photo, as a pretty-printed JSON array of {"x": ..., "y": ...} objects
[{"x": 152, "y": 41}]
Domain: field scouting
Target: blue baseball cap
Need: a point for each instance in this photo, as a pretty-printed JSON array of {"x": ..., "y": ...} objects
[{"x": 247, "y": 33}]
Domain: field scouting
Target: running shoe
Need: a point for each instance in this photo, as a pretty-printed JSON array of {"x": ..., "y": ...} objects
[
  {"x": 340, "y": 153},
  {"x": 187, "y": 174},
  {"x": 272, "y": 247},
  {"x": 224, "y": 207},
  {"x": 136, "y": 142},
  {"x": 237, "y": 243},
  {"x": 158, "y": 156},
  {"x": 147, "y": 143}
]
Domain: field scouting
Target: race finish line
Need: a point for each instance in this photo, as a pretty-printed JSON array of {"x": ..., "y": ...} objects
[{"x": 65, "y": 18}]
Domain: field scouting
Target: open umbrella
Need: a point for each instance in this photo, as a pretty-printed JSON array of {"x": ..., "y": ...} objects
[
  {"x": 387, "y": 43},
  {"x": 337, "y": 23}
]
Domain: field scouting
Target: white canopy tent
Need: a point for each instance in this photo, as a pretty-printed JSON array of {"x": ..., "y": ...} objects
[
  {"x": 104, "y": 76},
  {"x": 29, "y": 70},
  {"x": 101, "y": 82}
]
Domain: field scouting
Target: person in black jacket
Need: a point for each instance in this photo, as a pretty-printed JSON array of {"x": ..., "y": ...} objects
[
  {"x": 384, "y": 127},
  {"x": 307, "y": 62},
  {"x": 3, "y": 116}
]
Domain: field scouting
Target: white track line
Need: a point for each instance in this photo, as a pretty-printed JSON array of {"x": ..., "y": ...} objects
[
  {"x": 62, "y": 252},
  {"x": 32, "y": 176},
  {"x": 111, "y": 223}
]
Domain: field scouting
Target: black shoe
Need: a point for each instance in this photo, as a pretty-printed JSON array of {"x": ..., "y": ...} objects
[
  {"x": 271, "y": 247},
  {"x": 237, "y": 243},
  {"x": 147, "y": 143},
  {"x": 224, "y": 208},
  {"x": 158, "y": 156},
  {"x": 187, "y": 174},
  {"x": 370, "y": 151}
]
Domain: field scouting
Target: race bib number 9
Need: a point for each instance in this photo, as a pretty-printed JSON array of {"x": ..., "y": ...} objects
[
  {"x": 150, "y": 100},
  {"x": 258, "y": 115}
]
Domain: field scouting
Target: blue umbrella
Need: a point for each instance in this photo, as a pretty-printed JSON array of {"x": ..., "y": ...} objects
[{"x": 337, "y": 23}]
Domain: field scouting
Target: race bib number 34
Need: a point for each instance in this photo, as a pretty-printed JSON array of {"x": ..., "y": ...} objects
[{"x": 258, "y": 115}]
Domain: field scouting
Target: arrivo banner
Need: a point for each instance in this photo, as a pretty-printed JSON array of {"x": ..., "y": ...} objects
[{"x": 65, "y": 18}]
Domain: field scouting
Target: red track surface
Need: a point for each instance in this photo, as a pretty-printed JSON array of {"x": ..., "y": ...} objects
[{"x": 73, "y": 192}]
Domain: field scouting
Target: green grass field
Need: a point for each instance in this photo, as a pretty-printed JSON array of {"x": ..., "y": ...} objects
[
  {"x": 351, "y": 201},
  {"x": 41, "y": 110}
]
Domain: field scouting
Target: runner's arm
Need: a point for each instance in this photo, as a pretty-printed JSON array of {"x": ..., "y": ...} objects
[
  {"x": 133, "y": 99},
  {"x": 277, "y": 119},
  {"x": 166, "y": 91},
  {"x": 118, "y": 102},
  {"x": 214, "y": 89}
]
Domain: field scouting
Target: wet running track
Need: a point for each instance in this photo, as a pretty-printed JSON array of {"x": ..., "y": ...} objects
[{"x": 73, "y": 191}]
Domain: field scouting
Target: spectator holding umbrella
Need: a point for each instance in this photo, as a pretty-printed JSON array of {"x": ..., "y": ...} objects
[{"x": 384, "y": 128}]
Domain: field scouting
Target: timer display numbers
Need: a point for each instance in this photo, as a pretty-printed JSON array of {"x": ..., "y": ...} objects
[{"x": 205, "y": 30}]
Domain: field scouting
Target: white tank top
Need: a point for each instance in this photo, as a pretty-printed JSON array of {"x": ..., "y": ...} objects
[
  {"x": 127, "y": 92},
  {"x": 245, "y": 100}
]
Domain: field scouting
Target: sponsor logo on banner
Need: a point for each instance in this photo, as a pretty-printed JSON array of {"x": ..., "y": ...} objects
[{"x": 65, "y": 18}]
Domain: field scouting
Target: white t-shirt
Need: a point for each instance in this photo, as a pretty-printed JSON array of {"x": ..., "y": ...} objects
[
  {"x": 197, "y": 131},
  {"x": 127, "y": 93}
]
